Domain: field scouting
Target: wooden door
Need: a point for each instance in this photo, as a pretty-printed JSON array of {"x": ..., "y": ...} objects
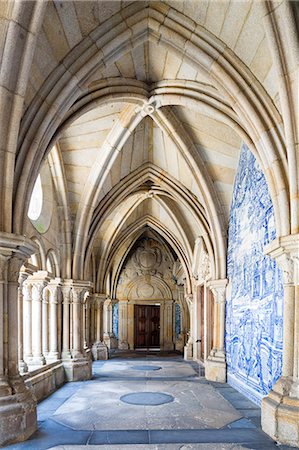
[{"x": 147, "y": 326}]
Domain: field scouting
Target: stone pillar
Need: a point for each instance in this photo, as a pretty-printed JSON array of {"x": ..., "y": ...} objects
[
  {"x": 87, "y": 323},
  {"x": 123, "y": 325},
  {"x": 92, "y": 319},
  {"x": 215, "y": 365},
  {"x": 27, "y": 322},
  {"x": 54, "y": 290},
  {"x": 196, "y": 321},
  {"x": 77, "y": 309},
  {"x": 45, "y": 322},
  {"x": 37, "y": 321},
  {"x": 17, "y": 405},
  {"x": 188, "y": 349},
  {"x": 99, "y": 318},
  {"x": 77, "y": 366},
  {"x": 108, "y": 336},
  {"x": 22, "y": 364},
  {"x": 66, "y": 301},
  {"x": 168, "y": 337},
  {"x": 280, "y": 409}
]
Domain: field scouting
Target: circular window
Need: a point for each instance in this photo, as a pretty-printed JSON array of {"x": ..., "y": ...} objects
[{"x": 36, "y": 201}]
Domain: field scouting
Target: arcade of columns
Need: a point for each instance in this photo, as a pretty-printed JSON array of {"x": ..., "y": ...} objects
[
  {"x": 59, "y": 320},
  {"x": 49, "y": 324}
]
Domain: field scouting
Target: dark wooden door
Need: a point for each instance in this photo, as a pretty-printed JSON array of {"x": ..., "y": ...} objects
[{"x": 147, "y": 326}]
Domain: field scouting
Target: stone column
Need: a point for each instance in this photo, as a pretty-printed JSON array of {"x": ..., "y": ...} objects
[
  {"x": 22, "y": 364},
  {"x": 92, "y": 319},
  {"x": 54, "y": 290},
  {"x": 66, "y": 301},
  {"x": 215, "y": 366},
  {"x": 108, "y": 336},
  {"x": 17, "y": 405},
  {"x": 196, "y": 320},
  {"x": 45, "y": 322},
  {"x": 37, "y": 335},
  {"x": 27, "y": 322},
  {"x": 77, "y": 366},
  {"x": 99, "y": 318},
  {"x": 123, "y": 325},
  {"x": 87, "y": 324},
  {"x": 188, "y": 349},
  {"x": 280, "y": 409},
  {"x": 168, "y": 338},
  {"x": 77, "y": 322}
]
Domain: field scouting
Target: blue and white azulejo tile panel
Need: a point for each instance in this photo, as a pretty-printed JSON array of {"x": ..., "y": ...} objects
[
  {"x": 254, "y": 308},
  {"x": 115, "y": 310}
]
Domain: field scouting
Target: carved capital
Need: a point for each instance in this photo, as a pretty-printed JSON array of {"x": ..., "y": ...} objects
[
  {"x": 285, "y": 250},
  {"x": 218, "y": 288},
  {"x": 37, "y": 291},
  {"x": 13, "y": 270},
  {"x": 27, "y": 291}
]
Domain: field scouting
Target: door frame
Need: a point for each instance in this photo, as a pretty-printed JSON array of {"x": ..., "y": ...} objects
[
  {"x": 152, "y": 305},
  {"x": 164, "y": 344}
]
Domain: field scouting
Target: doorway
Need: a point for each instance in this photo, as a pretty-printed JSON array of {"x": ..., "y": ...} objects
[{"x": 147, "y": 326}]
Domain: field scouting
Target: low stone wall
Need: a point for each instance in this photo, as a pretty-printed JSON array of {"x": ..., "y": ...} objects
[{"x": 45, "y": 380}]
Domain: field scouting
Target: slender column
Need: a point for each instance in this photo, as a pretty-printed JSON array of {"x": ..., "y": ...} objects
[
  {"x": 17, "y": 405},
  {"x": 22, "y": 364},
  {"x": 77, "y": 322},
  {"x": 92, "y": 320},
  {"x": 206, "y": 322},
  {"x": 188, "y": 349},
  {"x": 168, "y": 325},
  {"x": 27, "y": 321},
  {"x": 99, "y": 320},
  {"x": 215, "y": 366},
  {"x": 66, "y": 300},
  {"x": 123, "y": 325},
  {"x": 53, "y": 304},
  {"x": 87, "y": 323},
  {"x": 45, "y": 322},
  {"x": 37, "y": 356}
]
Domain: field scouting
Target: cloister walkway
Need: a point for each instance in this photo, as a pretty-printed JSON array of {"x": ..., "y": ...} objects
[{"x": 147, "y": 401}]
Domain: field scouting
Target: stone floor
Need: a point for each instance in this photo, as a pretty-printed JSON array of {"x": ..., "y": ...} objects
[{"x": 197, "y": 414}]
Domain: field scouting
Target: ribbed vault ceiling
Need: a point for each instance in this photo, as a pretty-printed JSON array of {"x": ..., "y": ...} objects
[{"x": 155, "y": 134}]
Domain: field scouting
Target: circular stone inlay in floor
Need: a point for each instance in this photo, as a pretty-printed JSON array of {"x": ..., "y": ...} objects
[
  {"x": 146, "y": 367},
  {"x": 147, "y": 398}
]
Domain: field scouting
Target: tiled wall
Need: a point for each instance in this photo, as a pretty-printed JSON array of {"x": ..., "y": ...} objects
[{"x": 254, "y": 311}]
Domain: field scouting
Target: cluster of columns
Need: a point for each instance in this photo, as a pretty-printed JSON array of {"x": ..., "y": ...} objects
[
  {"x": 215, "y": 361},
  {"x": 280, "y": 409},
  {"x": 39, "y": 304},
  {"x": 56, "y": 323},
  {"x": 17, "y": 404}
]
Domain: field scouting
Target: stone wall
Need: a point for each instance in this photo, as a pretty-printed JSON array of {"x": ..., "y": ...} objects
[{"x": 254, "y": 312}]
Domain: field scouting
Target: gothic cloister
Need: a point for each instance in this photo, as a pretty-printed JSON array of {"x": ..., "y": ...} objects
[{"x": 149, "y": 207}]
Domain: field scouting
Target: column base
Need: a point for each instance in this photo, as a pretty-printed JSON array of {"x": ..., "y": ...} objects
[
  {"x": 23, "y": 368},
  {"x": 52, "y": 357},
  {"x": 18, "y": 417},
  {"x": 215, "y": 369},
  {"x": 77, "y": 370},
  {"x": 280, "y": 414},
  {"x": 99, "y": 351},
  {"x": 167, "y": 347},
  {"x": 188, "y": 351},
  {"x": 110, "y": 341},
  {"x": 124, "y": 345},
  {"x": 36, "y": 361}
]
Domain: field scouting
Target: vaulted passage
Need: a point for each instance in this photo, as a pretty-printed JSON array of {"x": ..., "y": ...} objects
[{"x": 149, "y": 221}]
